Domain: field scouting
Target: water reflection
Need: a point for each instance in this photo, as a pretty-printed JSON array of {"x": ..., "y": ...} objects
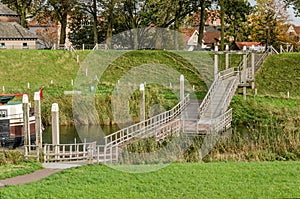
[{"x": 90, "y": 133}]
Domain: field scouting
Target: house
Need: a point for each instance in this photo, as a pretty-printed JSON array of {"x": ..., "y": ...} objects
[
  {"x": 12, "y": 34},
  {"x": 211, "y": 34}
]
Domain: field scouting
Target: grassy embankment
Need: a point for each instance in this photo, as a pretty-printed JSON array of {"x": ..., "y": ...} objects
[
  {"x": 270, "y": 120},
  {"x": 40, "y": 68},
  {"x": 194, "y": 180},
  {"x": 13, "y": 163}
]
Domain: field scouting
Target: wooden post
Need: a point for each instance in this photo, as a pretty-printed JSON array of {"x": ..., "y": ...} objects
[
  {"x": 26, "y": 124},
  {"x": 227, "y": 56},
  {"x": 142, "y": 106},
  {"x": 77, "y": 59},
  {"x": 38, "y": 124},
  {"x": 28, "y": 85},
  {"x": 3, "y": 89},
  {"x": 253, "y": 69},
  {"x": 281, "y": 49},
  {"x": 244, "y": 72},
  {"x": 245, "y": 92},
  {"x": 55, "y": 127},
  {"x": 216, "y": 62},
  {"x": 83, "y": 47},
  {"x": 181, "y": 87}
]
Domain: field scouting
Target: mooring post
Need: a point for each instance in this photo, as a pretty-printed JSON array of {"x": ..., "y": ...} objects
[
  {"x": 253, "y": 68},
  {"x": 227, "y": 57},
  {"x": 244, "y": 72},
  {"x": 55, "y": 127},
  {"x": 245, "y": 93},
  {"x": 181, "y": 94},
  {"x": 26, "y": 126},
  {"x": 142, "y": 105},
  {"x": 38, "y": 124},
  {"x": 181, "y": 88},
  {"x": 216, "y": 62}
]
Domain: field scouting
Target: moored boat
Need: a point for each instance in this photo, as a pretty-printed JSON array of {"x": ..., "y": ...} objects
[{"x": 11, "y": 122}]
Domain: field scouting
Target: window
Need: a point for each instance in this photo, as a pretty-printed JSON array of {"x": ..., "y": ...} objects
[
  {"x": 2, "y": 45},
  {"x": 25, "y": 45},
  {"x": 3, "y": 113}
]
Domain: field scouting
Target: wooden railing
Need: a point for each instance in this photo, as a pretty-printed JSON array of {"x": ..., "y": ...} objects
[
  {"x": 69, "y": 152},
  {"x": 221, "y": 76},
  {"x": 232, "y": 89},
  {"x": 206, "y": 101},
  {"x": 144, "y": 128},
  {"x": 221, "y": 122}
]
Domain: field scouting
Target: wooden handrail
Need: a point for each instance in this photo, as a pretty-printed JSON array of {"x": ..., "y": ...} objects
[{"x": 144, "y": 127}]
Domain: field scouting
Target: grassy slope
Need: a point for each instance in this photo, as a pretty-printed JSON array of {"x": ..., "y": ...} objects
[
  {"x": 280, "y": 74},
  {"x": 40, "y": 67},
  {"x": 197, "y": 180},
  {"x": 277, "y": 75}
]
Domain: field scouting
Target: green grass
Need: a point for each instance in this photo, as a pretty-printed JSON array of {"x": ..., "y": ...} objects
[
  {"x": 39, "y": 68},
  {"x": 12, "y": 170},
  {"x": 196, "y": 180},
  {"x": 280, "y": 74}
]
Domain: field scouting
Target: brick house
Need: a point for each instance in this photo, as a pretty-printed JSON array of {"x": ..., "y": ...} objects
[{"x": 12, "y": 34}]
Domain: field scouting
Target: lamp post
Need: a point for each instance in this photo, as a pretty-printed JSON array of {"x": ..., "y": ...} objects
[{"x": 267, "y": 37}]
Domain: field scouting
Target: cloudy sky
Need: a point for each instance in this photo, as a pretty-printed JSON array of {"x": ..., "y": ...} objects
[{"x": 295, "y": 20}]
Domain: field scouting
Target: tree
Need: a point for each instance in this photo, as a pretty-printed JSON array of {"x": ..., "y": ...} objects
[
  {"x": 25, "y": 8},
  {"x": 59, "y": 10},
  {"x": 47, "y": 36},
  {"x": 92, "y": 8},
  {"x": 267, "y": 22},
  {"x": 236, "y": 19},
  {"x": 295, "y": 4}
]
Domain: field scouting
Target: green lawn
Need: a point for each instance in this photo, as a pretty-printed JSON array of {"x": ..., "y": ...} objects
[
  {"x": 280, "y": 74},
  {"x": 12, "y": 170},
  {"x": 197, "y": 180}
]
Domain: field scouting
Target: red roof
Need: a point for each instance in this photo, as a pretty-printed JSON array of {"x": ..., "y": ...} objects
[
  {"x": 211, "y": 37},
  {"x": 240, "y": 45}
]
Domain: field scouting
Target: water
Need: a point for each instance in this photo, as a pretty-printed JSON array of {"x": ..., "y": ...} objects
[{"x": 69, "y": 134}]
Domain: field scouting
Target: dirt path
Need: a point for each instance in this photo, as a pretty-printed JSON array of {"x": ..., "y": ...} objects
[
  {"x": 32, "y": 177},
  {"x": 48, "y": 170}
]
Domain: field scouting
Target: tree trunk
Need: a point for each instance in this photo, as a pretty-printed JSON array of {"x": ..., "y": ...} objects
[
  {"x": 222, "y": 24},
  {"x": 110, "y": 24},
  {"x": 95, "y": 22},
  {"x": 202, "y": 23},
  {"x": 23, "y": 17},
  {"x": 63, "y": 35}
]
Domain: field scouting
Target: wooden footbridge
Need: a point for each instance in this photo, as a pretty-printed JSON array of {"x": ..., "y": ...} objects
[{"x": 189, "y": 116}]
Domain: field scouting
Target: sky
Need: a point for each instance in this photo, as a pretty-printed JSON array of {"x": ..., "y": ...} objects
[{"x": 294, "y": 20}]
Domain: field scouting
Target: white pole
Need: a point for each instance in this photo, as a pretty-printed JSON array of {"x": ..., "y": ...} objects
[
  {"x": 216, "y": 62},
  {"x": 142, "y": 107},
  {"x": 26, "y": 124},
  {"x": 181, "y": 87},
  {"x": 38, "y": 123},
  {"x": 227, "y": 56},
  {"x": 55, "y": 124}
]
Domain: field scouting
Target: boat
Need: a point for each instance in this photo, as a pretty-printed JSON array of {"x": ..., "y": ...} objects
[{"x": 11, "y": 122}]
